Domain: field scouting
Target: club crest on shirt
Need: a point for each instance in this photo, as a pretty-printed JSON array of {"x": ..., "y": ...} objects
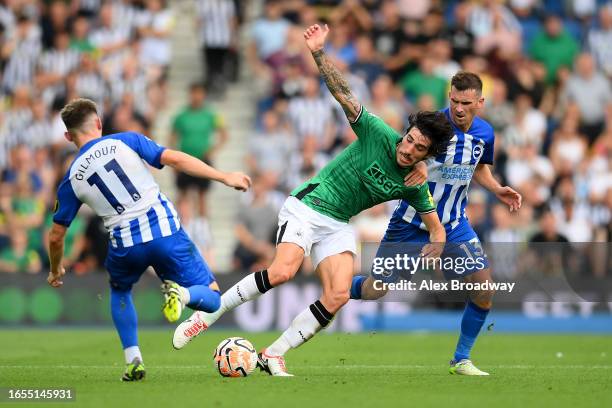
[{"x": 477, "y": 152}]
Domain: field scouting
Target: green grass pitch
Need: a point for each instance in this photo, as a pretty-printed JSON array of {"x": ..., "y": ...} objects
[{"x": 334, "y": 370}]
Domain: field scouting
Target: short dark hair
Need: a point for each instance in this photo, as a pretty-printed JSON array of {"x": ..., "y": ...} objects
[
  {"x": 543, "y": 210},
  {"x": 435, "y": 126},
  {"x": 463, "y": 80},
  {"x": 75, "y": 113},
  {"x": 197, "y": 86}
]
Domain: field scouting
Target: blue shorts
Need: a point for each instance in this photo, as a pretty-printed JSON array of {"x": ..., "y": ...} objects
[
  {"x": 463, "y": 253},
  {"x": 173, "y": 257}
]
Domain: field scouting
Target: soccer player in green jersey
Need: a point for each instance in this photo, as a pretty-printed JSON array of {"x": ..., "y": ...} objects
[{"x": 314, "y": 219}]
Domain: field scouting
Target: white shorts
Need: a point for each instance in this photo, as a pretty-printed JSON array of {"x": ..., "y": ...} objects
[{"x": 318, "y": 235}]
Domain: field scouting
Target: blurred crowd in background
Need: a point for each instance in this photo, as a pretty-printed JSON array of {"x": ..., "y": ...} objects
[
  {"x": 546, "y": 67},
  {"x": 115, "y": 53}
]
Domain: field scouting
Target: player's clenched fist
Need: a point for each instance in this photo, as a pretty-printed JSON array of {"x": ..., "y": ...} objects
[
  {"x": 238, "y": 180},
  {"x": 315, "y": 36}
]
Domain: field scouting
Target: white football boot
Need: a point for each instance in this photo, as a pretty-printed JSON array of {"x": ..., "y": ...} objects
[
  {"x": 273, "y": 365},
  {"x": 188, "y": 330},
  {"x": 465, "y": 367}
]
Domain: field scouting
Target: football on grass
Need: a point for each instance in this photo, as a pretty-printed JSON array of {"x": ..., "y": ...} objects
[{"x": 235, "y": 357}]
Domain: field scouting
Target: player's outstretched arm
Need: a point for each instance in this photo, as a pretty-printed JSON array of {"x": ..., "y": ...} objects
[
  {"x": 505, "y": 194},
  {"x": 338, "y": 86},
  {"x": 437, "y": 235},
  {"x": 56, "y": 253},
  {"x": 197, "y": 168}
]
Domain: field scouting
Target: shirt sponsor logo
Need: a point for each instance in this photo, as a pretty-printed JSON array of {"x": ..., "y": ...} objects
[
  {"x": 380, "y": 179},
  {"x": 457, "y": 172}
]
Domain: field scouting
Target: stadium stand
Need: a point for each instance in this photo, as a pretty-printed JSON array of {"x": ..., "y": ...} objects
[{"x": 546, "y": 68}]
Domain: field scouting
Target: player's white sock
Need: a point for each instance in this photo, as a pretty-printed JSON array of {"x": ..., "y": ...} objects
[
  {"x": 249, "y": 288},
  {"x": 185, "y": 295},
  {"x": 302, "y": 328},
  {"x": 131, "y": 353}
]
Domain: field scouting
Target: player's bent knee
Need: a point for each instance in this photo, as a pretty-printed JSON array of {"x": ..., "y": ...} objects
[
  {"x": 335, "y": 300},
  {"x": 483, "y": 298},
  {"x": 280, "y": 275}
]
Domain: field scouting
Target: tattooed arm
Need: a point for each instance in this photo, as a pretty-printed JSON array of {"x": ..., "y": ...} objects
[{"x": 337, "y": 85}]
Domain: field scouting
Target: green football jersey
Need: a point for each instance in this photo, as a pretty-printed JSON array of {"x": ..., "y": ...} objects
[{"x": 364, "y": 174}]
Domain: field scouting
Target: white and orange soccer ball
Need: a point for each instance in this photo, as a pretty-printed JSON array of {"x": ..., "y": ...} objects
[{"x": 235, "y": 357}]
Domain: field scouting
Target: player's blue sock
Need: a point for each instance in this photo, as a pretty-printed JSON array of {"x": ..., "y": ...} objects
[
  {"x": 356, "y": 286},
  {"x": 204, "y": 298},
  {"x": 124, "y": 317},
  {"x": 471, "y": 323}
]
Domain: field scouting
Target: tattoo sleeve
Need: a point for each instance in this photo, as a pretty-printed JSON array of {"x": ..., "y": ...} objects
[{"x": 337, "y": 85}]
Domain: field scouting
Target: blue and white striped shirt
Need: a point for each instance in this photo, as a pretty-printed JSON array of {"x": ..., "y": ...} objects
[
  {"x": 110, "y": 175},
  {"x": 449, "y": 174}
]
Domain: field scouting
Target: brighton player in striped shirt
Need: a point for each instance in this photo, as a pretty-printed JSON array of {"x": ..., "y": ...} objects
[
  {"x": 469, "y": 154},
  {"x": 314, "y": 219},
  {"x": 111, "y": 176}
]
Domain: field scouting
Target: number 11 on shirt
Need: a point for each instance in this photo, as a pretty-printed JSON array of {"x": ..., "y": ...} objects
[{"x": 113, "y": 166}]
